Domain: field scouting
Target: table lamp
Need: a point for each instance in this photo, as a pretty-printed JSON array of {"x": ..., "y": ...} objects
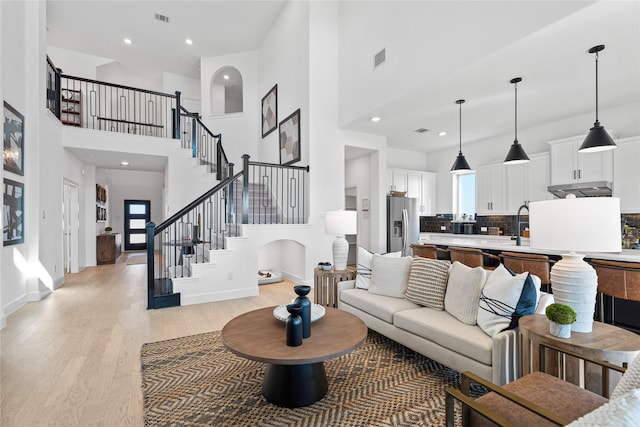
[
  {"x": 341, "y": 223},
  {"x": 589, "y": 224}
]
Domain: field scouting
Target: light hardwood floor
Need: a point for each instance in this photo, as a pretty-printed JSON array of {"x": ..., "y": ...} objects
[{"x": 73, "y": 359}]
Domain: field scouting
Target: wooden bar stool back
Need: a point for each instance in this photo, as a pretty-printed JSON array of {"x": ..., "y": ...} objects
[
  {"x": 471, "y": 257},
  {"x": 426, "y": 251},
  {"x": 617, "y": 279},
  {"x": 538, "y": 265}
]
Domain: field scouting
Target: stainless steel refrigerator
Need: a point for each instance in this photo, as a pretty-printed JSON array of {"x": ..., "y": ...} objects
[{"x": 403, "y": 224}]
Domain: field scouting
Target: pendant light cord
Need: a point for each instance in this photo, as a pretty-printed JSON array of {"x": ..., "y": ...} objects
[
  {"x": 516, "y": 109},
  {"x": 597, "y": 87},
  {"x": 460, "y": 130}
]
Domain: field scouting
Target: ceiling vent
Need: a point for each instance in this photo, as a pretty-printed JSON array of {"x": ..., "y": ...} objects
[
  {"x": 162, "y": 18},
  {"x": 379, "y": 58},
  {"x": 421, "y": 130}
]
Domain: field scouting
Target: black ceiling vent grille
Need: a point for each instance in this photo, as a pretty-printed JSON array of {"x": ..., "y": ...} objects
[
  {"x": 379, "y": 58},
  {"x": 162, "y": 18},
  {"x": 422, "y": 130}
]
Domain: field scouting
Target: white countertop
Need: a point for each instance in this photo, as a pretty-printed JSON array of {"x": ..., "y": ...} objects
[{"x": 504, "y": 243}]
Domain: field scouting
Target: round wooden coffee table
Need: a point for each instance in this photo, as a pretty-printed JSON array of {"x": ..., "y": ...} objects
[{"x": 294, "y": 376}]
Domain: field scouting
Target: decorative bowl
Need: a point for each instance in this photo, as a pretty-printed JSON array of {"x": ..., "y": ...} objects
[{"x": 281, "y": 313}]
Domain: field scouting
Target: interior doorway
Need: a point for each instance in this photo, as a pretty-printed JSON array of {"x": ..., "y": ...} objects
[
  {"x": 137, "y": 213},
  {"x": 351, "y": 204},
  {"x": 70, "y": 226}
]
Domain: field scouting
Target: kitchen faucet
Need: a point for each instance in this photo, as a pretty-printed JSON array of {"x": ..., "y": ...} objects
[{"x": 519, "y": 223}]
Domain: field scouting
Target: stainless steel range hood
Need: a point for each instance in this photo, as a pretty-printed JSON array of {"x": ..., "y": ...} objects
[{"x": 582, "y": 189}]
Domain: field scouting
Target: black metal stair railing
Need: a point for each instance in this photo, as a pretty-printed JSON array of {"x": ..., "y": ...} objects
[
  {"x": 204, "y": 144},
  {"x": 261, "y": 193}
]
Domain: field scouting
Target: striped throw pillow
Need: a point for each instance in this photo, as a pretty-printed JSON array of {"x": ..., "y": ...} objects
[{"x": 428, "y": 282}]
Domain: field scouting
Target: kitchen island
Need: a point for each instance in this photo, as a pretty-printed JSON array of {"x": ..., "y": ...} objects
[{"x": 497, "y": 244}]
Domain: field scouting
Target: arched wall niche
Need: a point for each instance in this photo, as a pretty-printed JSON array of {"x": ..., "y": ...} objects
[{"x": 226, "y": 95}]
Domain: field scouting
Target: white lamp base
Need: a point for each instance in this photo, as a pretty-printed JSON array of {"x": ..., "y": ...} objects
[
  {"x": 575, "y": 283},
  {"x": 340, "y": 252}
]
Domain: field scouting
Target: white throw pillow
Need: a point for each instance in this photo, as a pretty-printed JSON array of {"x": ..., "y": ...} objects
[
  {"x": 498, "y": 300},
  {"x": 463, "y": 292},
  {"x": 389, "y": 276},
  {"x": 364, "y": 257},
  {"x": 630, "y": 379},
  {"x": 623, "y": 411},
  {"x": 428, "y": 282}
]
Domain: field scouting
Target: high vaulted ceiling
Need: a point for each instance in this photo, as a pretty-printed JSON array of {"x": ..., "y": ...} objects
[{"x": 458, "y": 52}]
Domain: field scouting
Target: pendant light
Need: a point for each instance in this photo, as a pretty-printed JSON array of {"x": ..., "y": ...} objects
[
  {"x": 516, "y": 154},
  {"x": 597, "y": 139},
  {"x": 460, "y": 166}
]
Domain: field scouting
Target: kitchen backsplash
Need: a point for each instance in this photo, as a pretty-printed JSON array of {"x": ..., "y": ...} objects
[{"x": 506, "y": 223}]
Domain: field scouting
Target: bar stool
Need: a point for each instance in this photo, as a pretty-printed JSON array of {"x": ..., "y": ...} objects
[
  {"x": 471, "y": 257},
  {"x": 618, "y": 280},
  {"x": 427, "y": 251},
  {"x": 538, "y": 265}
]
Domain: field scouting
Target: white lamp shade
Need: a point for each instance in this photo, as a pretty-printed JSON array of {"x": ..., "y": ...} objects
[
  {"x": 341, "y": 222},
  {"x": 588, "y": 224}
]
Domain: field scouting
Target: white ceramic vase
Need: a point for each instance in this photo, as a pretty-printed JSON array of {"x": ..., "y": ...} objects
[
  {"x": 575, "y": 283},
  {"x": 559, "y": 330}
]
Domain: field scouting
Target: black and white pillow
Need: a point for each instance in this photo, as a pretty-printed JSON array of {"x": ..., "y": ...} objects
[
  {"x": 428, "y": 282},
  {"x": 364, "y": 257}
]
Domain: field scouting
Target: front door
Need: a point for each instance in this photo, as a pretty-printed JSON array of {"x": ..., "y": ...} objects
[{"x": 137, "y": 213}]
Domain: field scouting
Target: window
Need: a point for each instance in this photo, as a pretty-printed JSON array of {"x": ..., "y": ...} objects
[
  {"x": 226, "y": 92},
  {"x": 464, "y": 187}
]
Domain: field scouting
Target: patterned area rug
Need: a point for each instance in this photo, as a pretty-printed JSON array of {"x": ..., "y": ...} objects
[{"x": 195, "y": 381}]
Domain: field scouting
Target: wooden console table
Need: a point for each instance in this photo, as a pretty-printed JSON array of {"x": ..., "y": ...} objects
[
  {"x": 325, "y": 283},
  {"x": 605, "y": 342},
  {"x": 108, "y": 248}
]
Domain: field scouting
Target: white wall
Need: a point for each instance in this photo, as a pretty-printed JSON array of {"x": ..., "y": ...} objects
[
  {"x": 240, "y": 131},
  {"x": 189, "y": 88},
  {"x": 75, "y": 63},
  {"x": 117, "y": 73},
  {"x": 404, "y": 159}
]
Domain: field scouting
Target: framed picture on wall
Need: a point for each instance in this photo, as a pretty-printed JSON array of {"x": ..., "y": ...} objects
[
  {"x": 13, "y": 213},
  {"x": 270, "y": 111},
  {"x": 290, "y": 139},
  {"x": 13, "y": 137}
]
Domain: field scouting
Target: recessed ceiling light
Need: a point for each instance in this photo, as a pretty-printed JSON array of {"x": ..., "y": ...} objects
[
  {"x": 128, "y": 41},
  {"x": 226, "y": 77},
  {"x": 375, "y": 119},
  {"x": 189, "y": 41},
  {"x": 443, "y": 133},
  {"x": 124, "y": 163}
]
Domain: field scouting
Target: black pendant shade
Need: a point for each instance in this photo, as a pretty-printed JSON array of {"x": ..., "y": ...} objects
[
  {"x": 597, "y": 139},
  {"x": 516, "y": 154},
  {"x": 461, "y": 165}
]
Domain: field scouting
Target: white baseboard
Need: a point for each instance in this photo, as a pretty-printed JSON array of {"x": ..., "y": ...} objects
[
  {"x": 14, "y": 305},
  {"x": 218, "y": 296}
]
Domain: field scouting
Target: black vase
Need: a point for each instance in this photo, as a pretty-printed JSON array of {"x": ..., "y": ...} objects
[
  {"x": 305, "y": 303},
  {"x": 294, "y": 325}
]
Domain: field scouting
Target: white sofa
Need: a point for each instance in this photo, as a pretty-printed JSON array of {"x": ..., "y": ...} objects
[{"x": 436, "y": 333}]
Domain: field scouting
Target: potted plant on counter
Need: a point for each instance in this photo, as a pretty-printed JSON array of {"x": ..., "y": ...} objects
[
  {"x": 108, "y": 230},
  {"x": 560, "y": 317}
]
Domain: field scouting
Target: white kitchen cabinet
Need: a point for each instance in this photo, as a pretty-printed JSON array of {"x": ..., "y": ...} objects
[
  {"x": 626, "y": 175},
  {"x": 418, "y": 184},
  {"x": 528, "y": 182},
  {"x": 491, "y": 190},
  {"x": 568, "y": 166}
]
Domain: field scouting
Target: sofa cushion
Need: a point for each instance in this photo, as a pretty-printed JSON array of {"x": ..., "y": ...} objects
[
  {"x": 463, "y": 292},
  {"x": 389, "y": 276},
  {"x": 379, "y": 306},
  {"x": 363, "y": 279},
  {"x": 428, "y": 282},
  {"x": 442, "y": 328},
  {"x": 499, "y": 299}
]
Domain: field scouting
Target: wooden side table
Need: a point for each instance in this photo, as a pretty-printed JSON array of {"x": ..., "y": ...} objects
[
  {"x": 325, "y": 283},
  {"x": 605, "y": 342}
]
